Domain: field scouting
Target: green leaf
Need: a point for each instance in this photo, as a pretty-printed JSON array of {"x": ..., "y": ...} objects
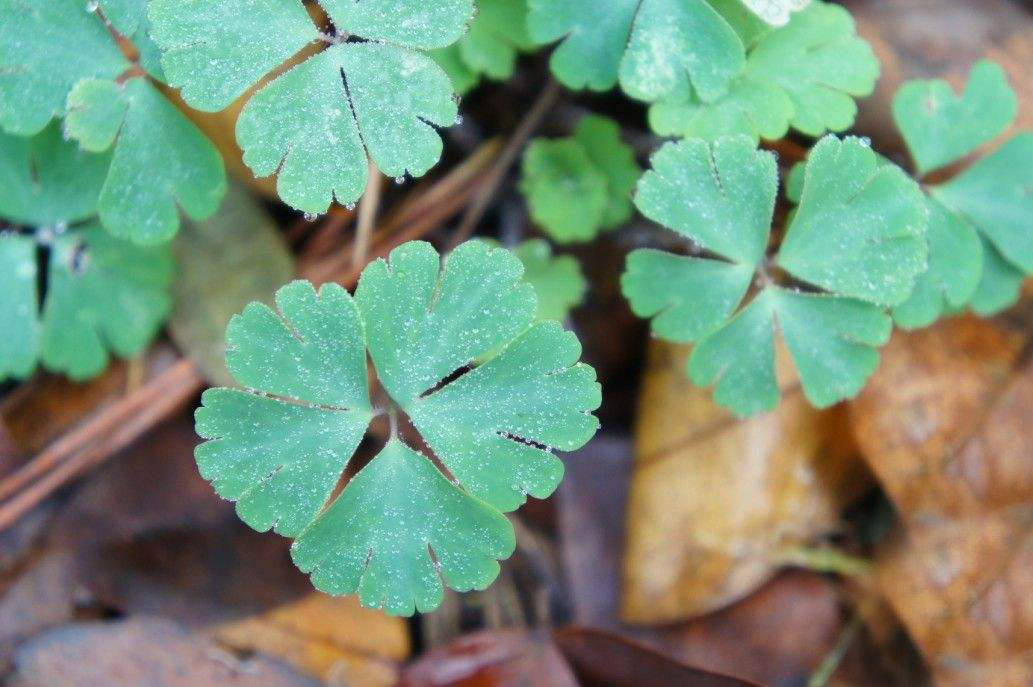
[
  {"x": 565, "y": 192},
  {"x": 577, "y": 186},
  {"x": 859, "y": 229},
  {"x": 47, "y": 181},
  {"x": 601, "y": 139},
  {"x": 720, "y": 195},
  {"x": 375, "y": 539},
  {"x": 1000, "y": 284},
  {"x": 309, "y": 124},
  {"x": 129, "y": 17},
  {"x": 667, "y": 288},
  {"x": 996, "y": 195},
  {"x": 240, "y": 239},
  {"x": 940, "y": 128},
  {"x": 955, "y": 269},
  {"x": 557, "y": 280},
  {"x": 831, "y": 340},
  {"x": 19, "y": 305},
  {"x": 47, "y": 48},
  {"x": 804, "y": 75},
  {"x": 160, "y": 158},
  {"x": 497, "y": 34},
  {"x": 103, "y": 294},
  {"x": 858, "y": 233},
  {"x": 280, "y": 449},
  {"x": 654, "y": 47},
  {"x": 463, "y": 78}
]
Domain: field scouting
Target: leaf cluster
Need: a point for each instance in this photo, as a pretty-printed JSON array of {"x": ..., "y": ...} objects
[
  {"x": 577, "y": 186},
  {"x": 402, "y": 525}
]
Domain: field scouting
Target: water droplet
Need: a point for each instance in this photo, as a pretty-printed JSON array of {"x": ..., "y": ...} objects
[
  {"x": 400, "y": 180},
  {"x": 311, "y": 217},
  {"x": 92, "y": 6},
  {"x": 459, "y": 120},
  {"x": 349, "y": 207},
  {"x": 866, "y": 142}
]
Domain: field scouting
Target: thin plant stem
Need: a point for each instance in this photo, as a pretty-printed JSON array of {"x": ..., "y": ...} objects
[{"x": 368, "y": 207}]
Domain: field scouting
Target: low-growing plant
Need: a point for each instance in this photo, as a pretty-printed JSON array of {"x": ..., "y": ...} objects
[{"x": 457, "y": 362}]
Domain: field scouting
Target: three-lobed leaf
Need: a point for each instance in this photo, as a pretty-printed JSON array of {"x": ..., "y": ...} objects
[
  {"x": 577, "y": 186},
  {"x": 557, "y": 279},
  {"x": 991, "y": 197},
  {"x": 804, "y": 75},
  {"x": 319, "y": 123},
  {"x": 858, "y": 236},
  {"x": 59, "y": 59},
  {"x": 101, "y": 293},
  {"x": 279, "y": 448}
]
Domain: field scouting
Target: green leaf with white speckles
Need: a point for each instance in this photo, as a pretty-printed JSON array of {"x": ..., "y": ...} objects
[
  {"x": 317, "y": 124},
  {"x": 577, "y": 186},
  {"x": 804, "y": 75},
  {"x": 279, "y": 450},
  {"x": 497, "y": 35},
  {"x": 653, "y": 47},
  {"x": 859, "y": 230},
  {"x": 47, "y": 48},
  {"x": 863, "y": 220},
  {"x": 47, "y": 181},
  {"x": 940, "y": 128},
  {"x": 161, "y": 159}
]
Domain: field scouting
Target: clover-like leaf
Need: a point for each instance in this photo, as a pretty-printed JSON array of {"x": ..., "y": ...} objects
[
  {"x": 100, "y": 293},
  {"x": 804, "y": 75},
  {"x": 497, "y": 34},
  {"x": 557, "y": 279},
  {"x": 47, "y": 48},
  {"x": 576, "y": 187},
  {"x": 955, "y": 269},
  {"x": 721, "y": 196},
  {"x": 280, "y": 448},
  {"x": 47, "y": 182},
  {"x": 160, "y": 160},
  {"x": 859, "y": 229},
  {"x": 316, "y": 124},
  {"x": 995, "y": 194},
  {"x": 940, "y": 128},
  {"x": 653, "y": 47},
  {"x": 62, "y": 60}
]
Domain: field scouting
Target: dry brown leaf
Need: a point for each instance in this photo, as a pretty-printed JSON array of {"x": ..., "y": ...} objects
[
  {"x": 946, "y": 426},
  {"x": 333, "y": 639},
  {"x": 714, "y": 501},
  {"x": 919, "y": 39},
  {"x": 505, "y": 658},
  {"x": 141, "y": 651}
]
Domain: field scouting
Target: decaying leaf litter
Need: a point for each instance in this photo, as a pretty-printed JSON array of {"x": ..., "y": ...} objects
[{"x": 966, "y": 495}]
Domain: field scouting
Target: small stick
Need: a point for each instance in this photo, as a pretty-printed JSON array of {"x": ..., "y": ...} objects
[
  {"x": 367, "y": 215},
  {"x": 531, "y": 121}
]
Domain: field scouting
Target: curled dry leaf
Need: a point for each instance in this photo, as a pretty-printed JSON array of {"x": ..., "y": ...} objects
[
  {"x": 715, "y": 502},
  {"x": 952, "y": 449}
]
